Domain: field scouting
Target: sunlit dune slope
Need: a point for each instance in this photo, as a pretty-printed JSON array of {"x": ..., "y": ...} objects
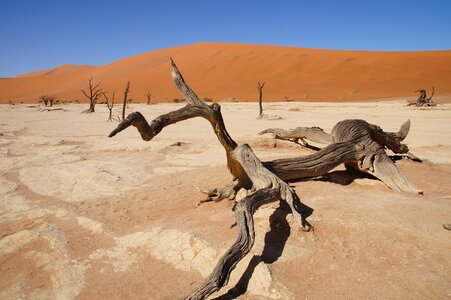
[{"x": 223, "y": 71}]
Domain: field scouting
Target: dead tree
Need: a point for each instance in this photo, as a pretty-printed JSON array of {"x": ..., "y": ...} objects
[
  {"x": 44, "y": 99},
  {"x": 423, "y": 99},
  {"x": 148, "y": 96},
  {"x": 260, "y": 98},
  {"x": 256, "y": 183},
  {"x": 110, "y": 107},
  {"x": 287, "y": 99},
  {"x": 371, "y": 157},
  {"x": 93, "y": 94},
  {"x": 48, "y": 99},
  {"x": 125, "y": 100}
]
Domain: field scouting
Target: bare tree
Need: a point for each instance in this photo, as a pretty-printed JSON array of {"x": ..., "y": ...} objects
[
  {"x": 148, "y": 96},
  {"x": 423, "y": 99},
  {"x": 51, "y": 100},
  {"x": 260, "y": 98},
  {"x": 125, "y": 100},
  {"x": 110, "y": 107},
  {"x": 48, "y": 99},
  {"x": 256, "y": 183},
  {"x": 93, "y": 94},
  {"x": 44, "y": 99},
  {"x": 288, "y": 99}
]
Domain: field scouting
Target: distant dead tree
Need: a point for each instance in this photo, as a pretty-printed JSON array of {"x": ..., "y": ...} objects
[
  {"x": 48, "y": 100},
  {"x": 287, "y": 99},
  {"x": 423, "y": 99},
  {"x": 148, "y": 96},
  {"x": 110, "y": 107},
  {"x": 125, "y": 100},
  {"x": 93, "y": 94},
  {"x": 260, "y": 99},
  {"x": 44, "y": 99},
  {"x": 51, "y": 100}
]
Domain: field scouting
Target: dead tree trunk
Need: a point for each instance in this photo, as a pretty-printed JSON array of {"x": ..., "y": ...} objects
[
  {"x": 148, "y": 96},
  {"x": 256, "y": 182},
  {"x": 125, "y": 100},
  {"x": 93, "y": 94},
  {"x": 353, "y": 142},
  {"x": 423, "y": 99},
  {"x": 260, "y": 98},
  {"x": 110, "y": 107},
  {"x": 314, "y": 134}
]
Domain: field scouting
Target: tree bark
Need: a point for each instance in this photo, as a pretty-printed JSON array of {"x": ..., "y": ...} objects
[
  {"x": 256, "y": 182},
  {"x": 125, "y": 100},
  {"x": 260, "y": 98},
  {"x": 423, "y": 99},
  {"x": 354, "y": 142}
]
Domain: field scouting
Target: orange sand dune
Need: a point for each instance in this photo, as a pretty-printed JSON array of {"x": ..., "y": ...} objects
[{"x": 223, "y": 71}]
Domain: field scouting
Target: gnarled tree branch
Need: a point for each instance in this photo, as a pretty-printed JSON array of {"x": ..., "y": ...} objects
[{"x": 256, "y": 182}]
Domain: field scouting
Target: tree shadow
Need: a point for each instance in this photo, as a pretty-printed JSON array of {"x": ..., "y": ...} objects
[
  {"x": 275, "y": 240},
  {"x": 342, "y": 177},
  {"x": 345, "y": 177}
]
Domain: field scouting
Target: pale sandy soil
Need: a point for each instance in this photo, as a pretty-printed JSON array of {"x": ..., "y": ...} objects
[{"x": 83, "y": 216}]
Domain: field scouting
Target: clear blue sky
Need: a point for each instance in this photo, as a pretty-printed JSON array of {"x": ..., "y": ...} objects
[{"x": 40, "y": 34}]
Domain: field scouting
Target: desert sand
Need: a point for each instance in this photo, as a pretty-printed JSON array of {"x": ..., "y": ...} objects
[
  {"x": 223, "y": 71},
  {"x": 84, "y": 216}
]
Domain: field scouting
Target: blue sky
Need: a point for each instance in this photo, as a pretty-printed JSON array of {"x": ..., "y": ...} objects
[{"x": 42, "y": 34}]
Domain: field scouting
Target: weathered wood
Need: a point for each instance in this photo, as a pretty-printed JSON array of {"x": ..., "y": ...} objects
[
  {"x": 423, "y": 99},
  {"x": 354, "y": 142},
  {"x": 260, "y": 98},
  {"x": 258, "y": 183},
  {"x": 125, "y": 100},
  {"x": 314, "y": 134},
  {"x": 266, "y": 187},
  {"x": 253, "y": 179}
]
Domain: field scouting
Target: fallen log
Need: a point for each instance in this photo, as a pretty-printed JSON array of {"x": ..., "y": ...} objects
[{"x": 355, "y": 143}]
